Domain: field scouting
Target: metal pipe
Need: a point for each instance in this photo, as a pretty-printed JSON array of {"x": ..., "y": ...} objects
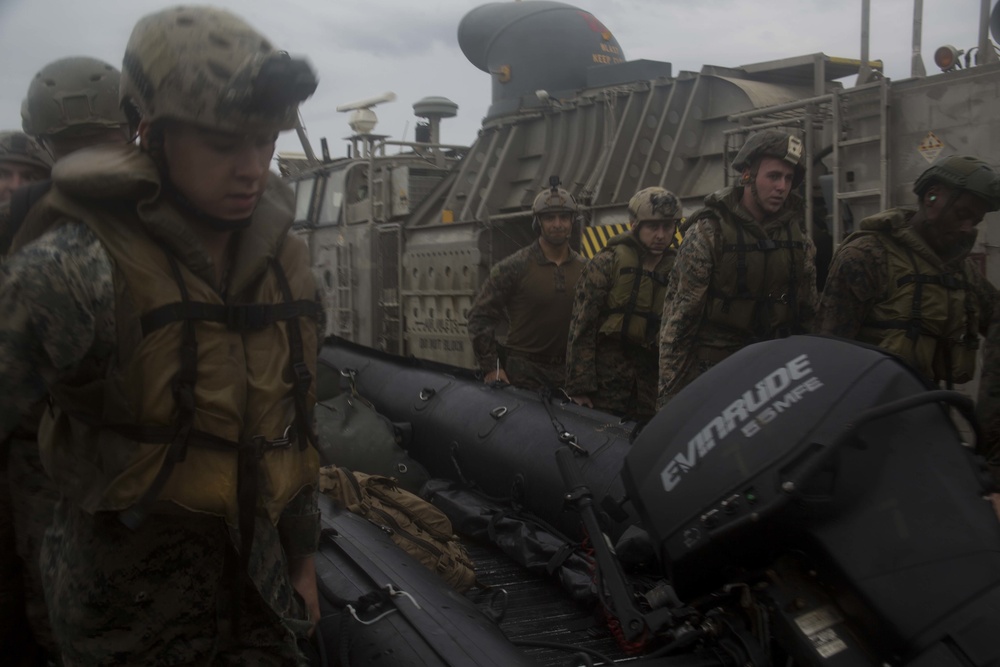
[
  {"x": 304, "y": 140},
  {"x": 865, "y": 72},
  {"x": 884, "y": 200},
  {"x": 784, "y": 122},
  {"x": 917, "y": 68},
  {"x": 808, "y": 136},
  {"x": 414, "y": 144},
  {"x": 985, "y": 54},
  {"x": 838, "y": 220},
  {"x": 788, "y": 106}
]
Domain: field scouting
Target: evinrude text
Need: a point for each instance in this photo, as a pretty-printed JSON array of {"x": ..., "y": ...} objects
[{"x": 778, "y": 391}]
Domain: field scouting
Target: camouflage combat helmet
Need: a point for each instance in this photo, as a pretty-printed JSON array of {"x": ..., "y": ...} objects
[
  {"x": 553, "y": 199},
  {"x": 962, "y": 172},
  {"x": 18, "y": 147},
  {"x": 71, "y": 94},
  {"x": 209, "y": 67},
  {"x": 772, "y": 143},
  {"x": 654, "y": 204}
]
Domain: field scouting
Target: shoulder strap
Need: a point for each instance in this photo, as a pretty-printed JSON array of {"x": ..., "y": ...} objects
[{"x": 21, "y": 202}]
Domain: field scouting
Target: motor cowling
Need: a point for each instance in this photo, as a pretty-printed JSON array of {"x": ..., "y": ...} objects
[{"x": 788, "y": 446}]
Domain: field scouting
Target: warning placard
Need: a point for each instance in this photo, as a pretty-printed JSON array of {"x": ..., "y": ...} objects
[{"x": 930, "y": 147}]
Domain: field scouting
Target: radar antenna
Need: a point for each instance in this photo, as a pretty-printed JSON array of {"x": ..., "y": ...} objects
[{"x": 363, "y": 120}]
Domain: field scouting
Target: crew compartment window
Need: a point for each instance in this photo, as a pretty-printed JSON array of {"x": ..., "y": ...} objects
[
  {"x": 303, "y": 199},
  {"x": 333, "y": 199}
]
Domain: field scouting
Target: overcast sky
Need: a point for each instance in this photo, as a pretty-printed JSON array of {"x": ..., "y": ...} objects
[{"x": 365, "y": 47}]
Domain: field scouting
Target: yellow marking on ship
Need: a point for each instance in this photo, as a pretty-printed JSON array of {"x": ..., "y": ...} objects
[{"x": 595, "y": 238}]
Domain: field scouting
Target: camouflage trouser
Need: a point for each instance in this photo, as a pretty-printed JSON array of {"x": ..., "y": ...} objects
[
  {"x": 164, "y": 593},
  {"x": 33, "y": 498},
  {"x": 529, "y": 374},
  {"x": 13, "y": 625},
  {"x": 627, "y": 377},
  {"x": 698, "y": 367}
]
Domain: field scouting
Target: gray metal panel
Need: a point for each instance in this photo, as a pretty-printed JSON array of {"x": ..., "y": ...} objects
[
  {"x": 439, "y": 280},
  {"x": 643, "y": 137},
  {"x": 760, "y": 94},
  {"x": 633, "y": 70},
  {"x": 388, "y": 326},
  {"x": 961, "y": 108},
  {"x": 617, "y": 153}
]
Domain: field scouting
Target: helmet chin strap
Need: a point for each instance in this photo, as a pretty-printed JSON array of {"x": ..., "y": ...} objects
[
  {"x": 750, "y": 181},
  {"x": 154, "y": 148}
]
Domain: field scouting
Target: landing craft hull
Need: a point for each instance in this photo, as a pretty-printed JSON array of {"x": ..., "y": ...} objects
[
  {"x": 424, "y": 624},
  {"x": 499, "y": 438}
]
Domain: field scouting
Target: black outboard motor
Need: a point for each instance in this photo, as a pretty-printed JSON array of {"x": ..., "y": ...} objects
[{"x": 837, "y": 457}]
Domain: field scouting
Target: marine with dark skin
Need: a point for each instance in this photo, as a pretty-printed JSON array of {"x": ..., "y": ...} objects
[
  {"x": 532, "y": 292},
  {"x": 870, "y": 293}
]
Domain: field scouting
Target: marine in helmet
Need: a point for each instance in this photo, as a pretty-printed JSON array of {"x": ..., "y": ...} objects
[
  {"x": 746, "y": 271},
  {"x": 613, "y": 348},
  {"x": 904, "y": 280},
  {"x": 162, "y": 307},
  {"x": 22, "y": 161},
  {"x": 532, "y": 293},
  {"x": 71, "y": 103}
]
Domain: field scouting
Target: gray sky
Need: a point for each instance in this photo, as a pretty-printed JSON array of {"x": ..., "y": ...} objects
[{"x": 365, "y": 47}]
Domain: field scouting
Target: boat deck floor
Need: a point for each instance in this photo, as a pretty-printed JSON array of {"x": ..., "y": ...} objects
[{"x": 538, "y": 611}]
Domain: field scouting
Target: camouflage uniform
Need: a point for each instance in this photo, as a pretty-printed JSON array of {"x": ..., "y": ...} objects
[
  {"x": 183, "y": 588},
  {"x": 614, "y": 334},
  {"x": 77, "y": 98},
  {"x": 859, "y": 280},
  {"x": 688, "y": 290},
  {"x": 620, "y": 377},
  {"x": 17, "y": 148},
  {"x": 33, "y": 499},
  {"x": 57, "y": 315},
  {"x": 904, "y": 281},
  {"x": 535, "y": 296},
  {"x": 988, "y": 400},
  {"x": 15, "y": 573}
]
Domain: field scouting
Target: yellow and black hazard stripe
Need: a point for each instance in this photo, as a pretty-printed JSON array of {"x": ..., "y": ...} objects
[{"x": 595, "y": 238}]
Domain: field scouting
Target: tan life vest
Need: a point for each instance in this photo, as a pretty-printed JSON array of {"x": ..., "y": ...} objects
[
  {"x": 753, "y": 294},
  {"x": 635, "y": 306},
  {"x": 206, "y": 403},
  {"x": 930, "y": 317}
]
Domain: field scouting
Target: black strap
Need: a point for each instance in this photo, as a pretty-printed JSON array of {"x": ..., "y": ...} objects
[
  {"x": 655, "y": 276},
  {"x": 763, "y": 309},
  {"x": 628, "y": 310},
  {"x": 648, "y": 316},
  {"x": 948, "y": 281},
  {"x": 236, "y": 317},
  {"x": 916, "y": 322},
  {"x": 183, "y": 390},
  {"x": 21, "y": 202},
  {"x": 793, "y": 282},
  {"x": 762, "y": 245},
  {"x": 183, "y": 434},
  {"x": 742, "y": 286},
  {"x": 971, "y": 332},
  {"x": 565, "y": 437},
  {"x": 300, "y": 371}
]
